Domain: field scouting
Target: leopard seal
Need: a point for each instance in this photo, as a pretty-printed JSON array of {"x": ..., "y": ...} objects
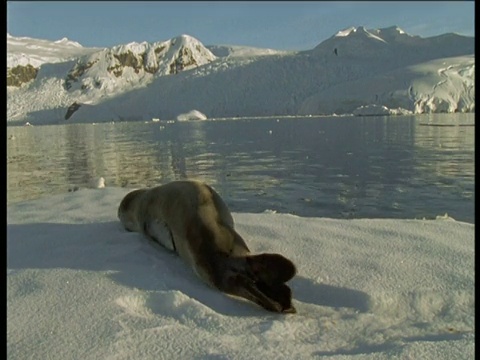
[{"x": 190, "y": 218}]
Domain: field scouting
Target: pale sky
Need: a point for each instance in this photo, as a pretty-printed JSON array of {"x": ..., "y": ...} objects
[{"x": 282, "y": 25}]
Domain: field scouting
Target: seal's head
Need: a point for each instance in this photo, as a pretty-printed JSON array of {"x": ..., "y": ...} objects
[{"x": 128, "y": 209}]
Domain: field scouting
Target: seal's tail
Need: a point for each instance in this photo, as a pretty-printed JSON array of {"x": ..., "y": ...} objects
[
  {"x": 261, "y": 278},
  {"x": 270, "y": 268}
]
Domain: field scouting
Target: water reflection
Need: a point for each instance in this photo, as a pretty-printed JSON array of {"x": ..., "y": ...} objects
[{"x": 333, "y": 167}]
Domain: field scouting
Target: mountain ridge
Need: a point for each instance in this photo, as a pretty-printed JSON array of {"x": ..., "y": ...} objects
[{"x": 140, "y": 81}]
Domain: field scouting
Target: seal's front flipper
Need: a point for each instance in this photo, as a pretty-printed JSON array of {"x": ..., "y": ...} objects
[{"x": 159, "y": 232}]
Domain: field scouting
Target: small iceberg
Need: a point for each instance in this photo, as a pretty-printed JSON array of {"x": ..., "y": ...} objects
[{"x": 192, "y": 115}]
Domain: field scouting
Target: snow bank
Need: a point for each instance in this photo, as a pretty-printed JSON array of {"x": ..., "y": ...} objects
[
  {"x": 244, "y": 51},
  {"x": 80, "y": 287}
]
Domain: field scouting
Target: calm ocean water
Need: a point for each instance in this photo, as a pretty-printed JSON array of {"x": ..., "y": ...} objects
[{"x": 338, "y": 167}]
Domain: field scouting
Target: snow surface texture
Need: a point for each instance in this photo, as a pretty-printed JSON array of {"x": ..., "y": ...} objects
[
  {"x": 81, "y": 287},
  {"x": 138, "y": 81},
  {"x": 244, "y": 51}
]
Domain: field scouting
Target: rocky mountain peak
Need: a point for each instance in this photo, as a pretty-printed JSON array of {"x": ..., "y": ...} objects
[{"x": 135, "y": 61}]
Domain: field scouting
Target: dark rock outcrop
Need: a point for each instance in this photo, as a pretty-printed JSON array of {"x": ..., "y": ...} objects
[
  {"x": 76, "y": 72},
  {"x": 71, "y": 110},
  {"x": 19, "y": 75}
]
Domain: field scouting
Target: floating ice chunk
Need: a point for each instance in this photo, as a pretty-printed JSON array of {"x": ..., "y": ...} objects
[{"x": 192, "y": 115}]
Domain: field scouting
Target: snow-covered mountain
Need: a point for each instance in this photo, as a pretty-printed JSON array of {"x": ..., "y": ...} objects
[
  {"x": 395, "y": 44},
  {"x": 354, "y": 70},
  {"x": 25, "y": 56},
  {"x": 135, "y": 64},
  {"x": 25, "y": 50}
]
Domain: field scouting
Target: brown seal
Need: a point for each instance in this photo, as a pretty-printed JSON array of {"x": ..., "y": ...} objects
[{"x": 190, "y": 218}]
